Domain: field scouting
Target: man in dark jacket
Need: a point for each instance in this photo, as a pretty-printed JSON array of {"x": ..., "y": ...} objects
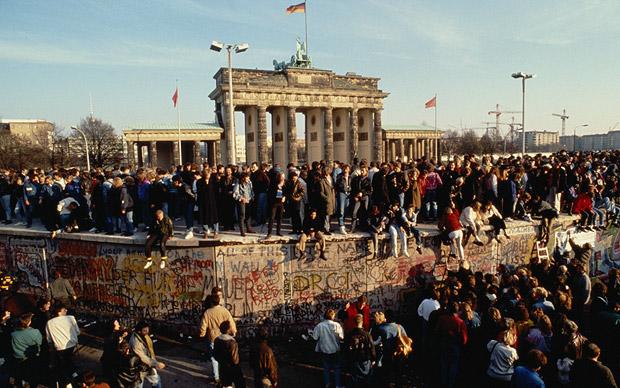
[
  {"x": 226, "y": 352},
  {"x": 160, "y": 231},
  {"x": 379, "y": 187},
  {"x": 294, "y": 198},
  {"x": 360, "y": 353},
  {"x": 32, "y": 192},
  {"x": 589, "y": 372},
  {"x": 159, "y": 193},
  {"x": 361, "y": 188},
  {"x": 327, "y": 198},
  {"x": 188, "y": 201}
]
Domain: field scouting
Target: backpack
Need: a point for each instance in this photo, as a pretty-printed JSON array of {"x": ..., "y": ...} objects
[{"x": 403, "y": 345}]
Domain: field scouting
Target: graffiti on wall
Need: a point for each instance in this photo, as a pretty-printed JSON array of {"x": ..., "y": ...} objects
[{"x": 261, "y": 282}]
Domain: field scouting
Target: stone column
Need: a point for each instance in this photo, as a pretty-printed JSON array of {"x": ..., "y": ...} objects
[
  {"x": 175, "y": 153},
  {"x": 410, "y": 149},
  {"x": 153, "y": 154},
  {"x": 427, "y": 148},
  {"x": 229, "y": 132},
  {"x": 328, "y": 134},
  {"x": 438, "y": 150},
  {"x": 292, "y": 136},
  {"x": 354, "y": 134},
  {"x": 217, "y": 158},
  {"x": 378, "y": 151},
  {"x": 401, "y": 149},
  {"x": 131, "y": 158},
  {"x": 393, "y": 152},
  {"x": 263, "y": 151},
  {"x": 197, "y": 146}
]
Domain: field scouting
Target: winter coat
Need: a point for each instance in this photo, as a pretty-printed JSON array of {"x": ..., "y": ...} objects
[
  {"x": 207, "y": 201},
  {"x": 327, "y": 197}
]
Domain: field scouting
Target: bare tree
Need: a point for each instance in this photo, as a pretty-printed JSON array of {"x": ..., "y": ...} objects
[
  {"x": 18, "y": 152},
  {"x": 469, "y": 143},
  {"x": 487, "y": 144},
  {"x": 450, "y": 142},
  {"x": 105, "y": 146}
]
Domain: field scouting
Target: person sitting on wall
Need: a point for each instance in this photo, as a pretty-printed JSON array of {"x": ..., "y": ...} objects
[
  {"x": 312, "y": 229},
  {"x": 160, "y": 232},
  {"x": 410, "y": 228}
]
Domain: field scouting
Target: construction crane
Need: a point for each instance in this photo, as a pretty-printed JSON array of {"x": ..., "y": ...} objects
[
  {"x": 563, "y": 116},
  {"x": 498, "y": 113}
]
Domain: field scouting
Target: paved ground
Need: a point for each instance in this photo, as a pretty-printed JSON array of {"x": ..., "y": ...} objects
[{"x": 186, "y": 365}]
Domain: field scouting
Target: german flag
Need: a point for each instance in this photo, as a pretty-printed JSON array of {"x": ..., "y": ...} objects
[{"x": 297, "y": 8}]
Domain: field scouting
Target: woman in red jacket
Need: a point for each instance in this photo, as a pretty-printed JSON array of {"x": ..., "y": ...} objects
[
  {"x": 583, "y": 207},
  {"x": 450, "y": 224}
]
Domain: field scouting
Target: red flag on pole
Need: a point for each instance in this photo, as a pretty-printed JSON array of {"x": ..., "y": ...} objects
[
  {"x": 297, "y": 8},
  {"x": 432, "y": 103},
  {"x": 175, "y": 97}
]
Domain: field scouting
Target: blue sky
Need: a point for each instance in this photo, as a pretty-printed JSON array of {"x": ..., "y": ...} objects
[{"x": 128, "y": 54}]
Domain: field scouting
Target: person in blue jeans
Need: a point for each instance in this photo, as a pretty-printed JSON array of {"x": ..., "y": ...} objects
[
  {"x": 343, "y": 190},
  {"x": 328, "y": 335},
  {"x": 5, "y": 197},
  {"x": 187, "y": 199},
  {"x": 32, "y": 193}
]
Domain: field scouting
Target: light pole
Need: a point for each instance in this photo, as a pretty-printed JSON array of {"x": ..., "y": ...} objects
[
  {"x": 523, "y": 77},
  {"x": 575, "y": 136},
  {"x": 86, "y": 145},
  {"x": 231, "y": 150}
]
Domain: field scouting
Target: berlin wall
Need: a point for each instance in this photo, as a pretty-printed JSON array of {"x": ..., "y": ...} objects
[{"x": 263, "y": 282}]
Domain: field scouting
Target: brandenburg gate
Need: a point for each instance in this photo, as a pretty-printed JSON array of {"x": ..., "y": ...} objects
[{"x": 342, "y": 113}]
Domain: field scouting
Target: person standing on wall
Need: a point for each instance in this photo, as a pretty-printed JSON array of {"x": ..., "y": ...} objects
[
  {"x": 327, "y": 199},
  {"x": 142, "y": 346},
  {"x": 160, "y": 232},
  {"x": 62, "y": 291},
  {"x": 294, "y": 197},
  {"x": 188, "y": 201},
  {"x": 243, "y": 194},
  {"x": 276, "y": 199},
  {"x": 210, "y": 328}
]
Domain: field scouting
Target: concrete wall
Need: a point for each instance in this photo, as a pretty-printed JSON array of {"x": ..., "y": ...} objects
[{"x": 262, "y": 282}]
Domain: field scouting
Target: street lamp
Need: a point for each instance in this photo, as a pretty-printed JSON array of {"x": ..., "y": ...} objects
[
  {"x": 523, "y": 77},
  {"x": 575, "y": 136},
  {"x": 85, "y": 144},
  {"x": 231, "y": 138}
]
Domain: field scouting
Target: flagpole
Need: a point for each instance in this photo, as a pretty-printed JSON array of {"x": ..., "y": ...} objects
[
  {"x": 179, "y": 126},
  {"x": 306, "y": 24},
  {"x": 436, "y": 138}
]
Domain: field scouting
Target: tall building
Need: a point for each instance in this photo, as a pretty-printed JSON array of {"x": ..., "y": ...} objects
[
  {"x": 38, "y": 131},
  {"x": 594, "y": 142},
  {"x": 542, "y": 141}
]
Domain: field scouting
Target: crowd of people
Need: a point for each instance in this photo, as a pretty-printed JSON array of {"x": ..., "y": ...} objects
[
  {"x": 460, "y": 195},
  {"x": 544, "y": 323}
]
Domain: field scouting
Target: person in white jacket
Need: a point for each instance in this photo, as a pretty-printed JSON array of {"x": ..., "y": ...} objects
[{"x": 472, "y": 222}]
